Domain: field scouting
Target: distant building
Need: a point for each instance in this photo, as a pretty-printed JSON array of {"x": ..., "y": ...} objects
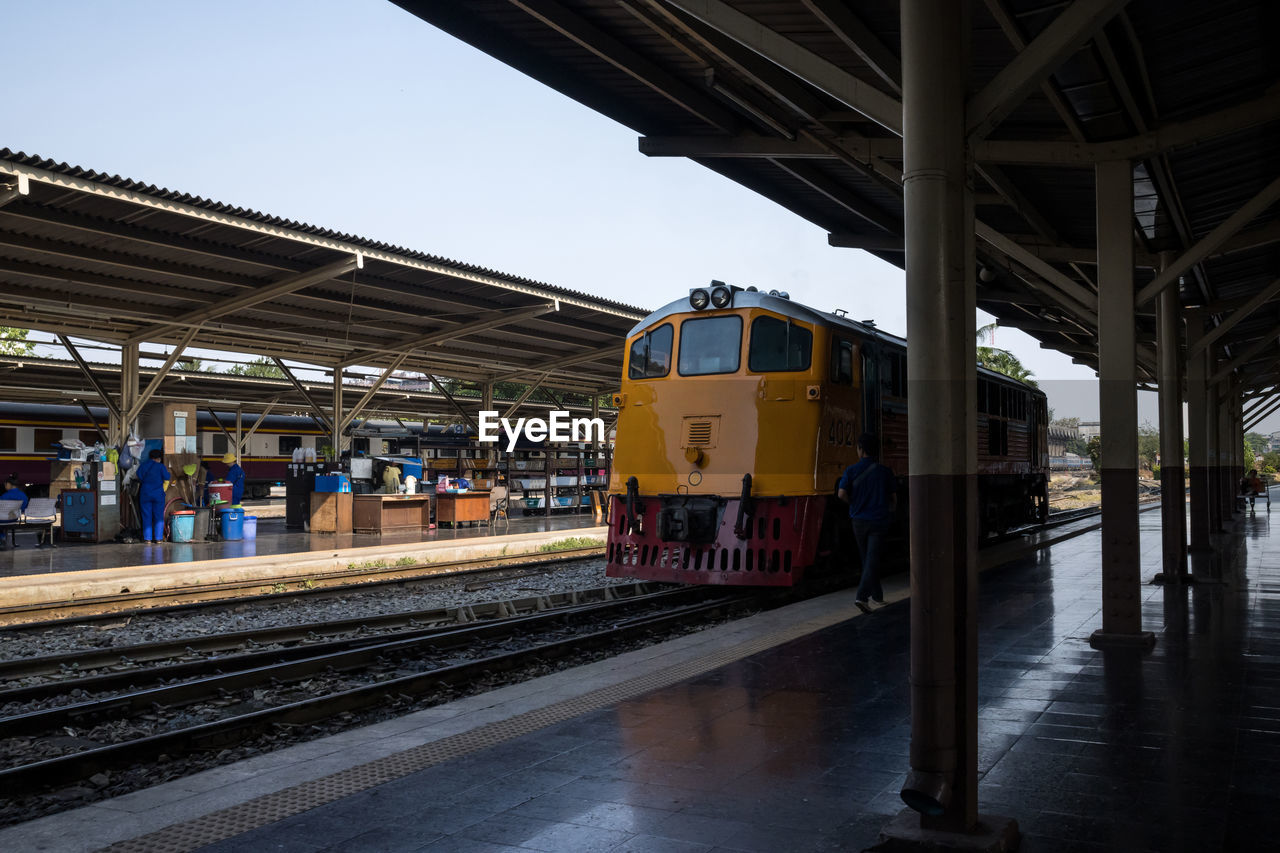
[
  {"x": 1273, "y": 442},
  {"x": 1059, "y": 438},
  {"x": 1088, "y": 429}
]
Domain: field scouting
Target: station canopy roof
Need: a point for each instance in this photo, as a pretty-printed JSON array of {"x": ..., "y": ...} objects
[
  {"x": 800, "y": 101},
  {"x": 100, "y": 257}
]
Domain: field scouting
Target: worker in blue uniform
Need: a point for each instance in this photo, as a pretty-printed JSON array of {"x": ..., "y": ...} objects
[
  {"x": 235, "y": 476},
  {"x": 153, "y": 478},
  {"x": 13, "y": 493},
  {"x": 870, "y": 490}
]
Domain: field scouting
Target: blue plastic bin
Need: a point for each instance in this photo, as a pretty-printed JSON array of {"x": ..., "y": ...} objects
[
  {"x": 233, "y": 524},
  {"x": 250, "y": 527},
  {"x": 183, "y": 527}
]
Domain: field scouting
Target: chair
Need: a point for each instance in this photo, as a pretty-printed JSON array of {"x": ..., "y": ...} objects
[
  {"x": 10, "y": 518},
  {"x": 40, "y": 516},
  {"x": 498, "y": 500}
]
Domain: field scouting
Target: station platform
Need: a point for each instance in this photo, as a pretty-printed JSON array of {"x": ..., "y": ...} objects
[
  {"x": 272, "y": 539},
  {"x": 788, "y": 731}
]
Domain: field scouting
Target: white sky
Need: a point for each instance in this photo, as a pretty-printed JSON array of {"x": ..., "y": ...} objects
[{"x": 356, "y": 116}]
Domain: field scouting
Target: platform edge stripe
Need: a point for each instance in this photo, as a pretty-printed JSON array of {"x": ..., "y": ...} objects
[{"x": 269, "y": 808}]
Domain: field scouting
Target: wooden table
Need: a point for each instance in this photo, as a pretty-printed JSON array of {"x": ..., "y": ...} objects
[
  {"x": 391, "y": 513},
  {"x": 331, "y": 512},
  {"x": 463, "y": 506}
]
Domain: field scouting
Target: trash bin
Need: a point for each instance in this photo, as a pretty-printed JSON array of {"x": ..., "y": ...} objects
[
  {"x": 250, "y": 527},
  {"x": 232, "y": 524},
  {"x": 183, "y": 526}
]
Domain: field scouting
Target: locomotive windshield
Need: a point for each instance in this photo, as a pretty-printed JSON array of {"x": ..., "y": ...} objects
[
  {"x": 651, "y": 354},
  {"x": 778, "y": 345},
  {"x": 710, "y": 345}
]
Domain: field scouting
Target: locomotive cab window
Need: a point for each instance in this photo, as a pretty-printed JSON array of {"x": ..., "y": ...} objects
[
  {"x": 778, "y": 345},
  {"x": 8, "y": 438},
  {"x": 650, "y": 356},
  {"x": 218, "y": 445},
  {"x": 841, "y": 362},
  {"x": 710, "y": 345},
  {"x": 288, "y": 444}
]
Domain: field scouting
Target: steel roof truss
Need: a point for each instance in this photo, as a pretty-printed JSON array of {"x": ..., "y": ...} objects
[
  {"x": 1257, "y": 301},
  {"x": 620, "y": 56},
  {"x": 322, "y": 419},
  {"x": 88, "y": 374},
  {"x": 850, "y": 29},
  {"x": 570, "y": 361},
  {"x": 1212, "y": 241},
  {"x": 368, "y": 395},
  {"x": 802, "y": 62},
  {"x": 264, "y": 293},
  {"x": 154, "y": 384},
  {"x": 492, "y": 320},
  {"x": 1247, "y": 356},
  {"x": 1074, "y": 26},
  {"x": 453, "y": 402}
]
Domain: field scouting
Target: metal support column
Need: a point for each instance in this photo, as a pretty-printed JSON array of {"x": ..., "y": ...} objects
[
  {"x": 1173, "y": 501},
  {"x": 942, "y": 482},
  {"x": 1118, "y": 374},
  {"x": 1198, "y": 434},
  {"x": 128, "y": 390},
  {"x": 336, "y": 422}
]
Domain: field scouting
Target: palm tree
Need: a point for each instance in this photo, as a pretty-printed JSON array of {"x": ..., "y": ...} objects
[{"x": 999, "y": 360}]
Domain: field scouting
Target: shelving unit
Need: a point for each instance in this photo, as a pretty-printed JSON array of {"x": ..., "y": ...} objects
[{"x": 573, "y": 474}]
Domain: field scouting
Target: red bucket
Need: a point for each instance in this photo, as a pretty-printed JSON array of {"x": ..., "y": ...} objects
[{"x": 219, "y": 493}]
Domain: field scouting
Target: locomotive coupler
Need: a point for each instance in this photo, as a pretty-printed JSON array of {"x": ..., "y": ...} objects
[
  {"x": 741, "y": 524},
  {"x": 633, "y": 503}
]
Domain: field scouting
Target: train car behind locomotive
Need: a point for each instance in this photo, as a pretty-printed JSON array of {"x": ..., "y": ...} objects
[{"x": 739, "y": 410}]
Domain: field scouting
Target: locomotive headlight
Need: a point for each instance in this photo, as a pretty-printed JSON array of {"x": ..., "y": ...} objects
[
  {"x": 721, "y": 297},
  {"x": 699, "y": 299}
]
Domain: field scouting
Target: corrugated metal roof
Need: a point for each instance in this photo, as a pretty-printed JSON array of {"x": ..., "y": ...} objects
[
  {"x": 673, "y": 78},
  {"x": 99, "y": 256}
]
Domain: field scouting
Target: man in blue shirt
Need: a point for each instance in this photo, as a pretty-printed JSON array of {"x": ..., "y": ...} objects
[
  {"x": 235, "y": 476},
  {"x": 152, "y": 477},
  {"x": 870, "y": 489},
  {"x": 12, "y": 492}
]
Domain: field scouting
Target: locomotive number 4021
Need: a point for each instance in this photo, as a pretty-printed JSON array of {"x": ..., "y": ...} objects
[{"x": 842, "y": 433}]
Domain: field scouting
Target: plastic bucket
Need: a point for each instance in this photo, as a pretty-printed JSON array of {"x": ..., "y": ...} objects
[
  {"x": 219, "y": 492},
  {"x": 232, "y": 524},
  {"x": 184, "y": 526},
  {"x": 250, "y": 527},
  {"x": 202, "y": 524}
]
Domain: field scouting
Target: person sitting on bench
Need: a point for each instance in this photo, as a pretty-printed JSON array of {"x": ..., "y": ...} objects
[{"x": 1251, "y": 486}]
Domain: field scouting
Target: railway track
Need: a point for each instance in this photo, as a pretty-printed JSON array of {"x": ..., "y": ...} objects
[{"x": 196, "y": 706}]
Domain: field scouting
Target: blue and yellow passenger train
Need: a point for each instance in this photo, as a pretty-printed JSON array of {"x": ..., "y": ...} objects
[{"x": 738, "y": 412}]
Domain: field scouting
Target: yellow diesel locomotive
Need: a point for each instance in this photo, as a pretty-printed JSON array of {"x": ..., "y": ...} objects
[{"x": 739, "y": 410}]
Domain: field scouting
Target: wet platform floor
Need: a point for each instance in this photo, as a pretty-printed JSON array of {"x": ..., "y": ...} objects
[
  {"x": 803, "y": 746},
  {"x": 272, "y": 539}
]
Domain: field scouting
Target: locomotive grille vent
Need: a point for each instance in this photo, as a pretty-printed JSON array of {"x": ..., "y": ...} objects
[{"x": 701, "y": 431}]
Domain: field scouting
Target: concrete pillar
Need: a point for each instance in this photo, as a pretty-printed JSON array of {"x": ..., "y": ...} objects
[
  {"x": 1228, "y": 449},
  {"x": 1118, "y": 371},
  {"x": 1198, "y": 435},
  {"x": 1173, "y": 503},
  {"x": 942, "y": 481},
  {"x": 1214, "y": 424}
]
